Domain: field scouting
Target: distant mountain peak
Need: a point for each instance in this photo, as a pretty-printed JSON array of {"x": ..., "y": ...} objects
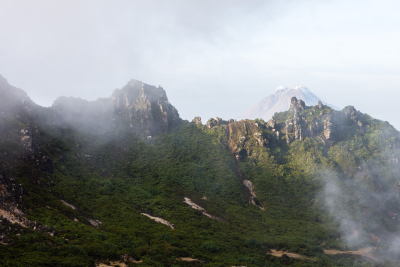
[
  {"x": 280, "y": 101},
  {"x": 282, "y": 89}
]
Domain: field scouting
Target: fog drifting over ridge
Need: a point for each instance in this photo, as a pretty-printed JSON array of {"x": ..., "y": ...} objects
[
  {"x": 213, "y": 59},
  {"x": 374, "y": 194}
]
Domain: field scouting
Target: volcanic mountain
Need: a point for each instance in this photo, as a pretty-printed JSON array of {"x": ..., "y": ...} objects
[{"x": 280, "y": 101}]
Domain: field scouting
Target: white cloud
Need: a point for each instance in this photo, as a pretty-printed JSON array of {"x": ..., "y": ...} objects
[{"x": 213, "y": 58}]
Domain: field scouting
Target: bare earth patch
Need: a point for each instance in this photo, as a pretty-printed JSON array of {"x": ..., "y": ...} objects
[
  {"x": 160, "y": 220},
  {"x": 68, "y": 205},
  {"x": 277, "y": 253},
  {"x": 115, "y": 263},
  {"x": 190, "y": 260},
  {"x": 197, "y": 207},
  {"x": 366, "y": 252},
  {"x": 19, "y": 219},
  {"x": 253, "y": 198}
]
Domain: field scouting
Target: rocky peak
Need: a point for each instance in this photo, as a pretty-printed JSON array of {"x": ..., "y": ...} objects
[
  {"x": 145, "y": 107},
  {"x": 297, "y": 105},
  {"x": 138, "y": 95},
  {"x": 197, "y": 120},
  {"x": 319, "y": 121},
  {"x": 141, "y": 107},
  {"x": 14, "y": 101}
]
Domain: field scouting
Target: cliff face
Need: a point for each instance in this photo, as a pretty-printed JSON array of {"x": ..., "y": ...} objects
[
  {"x": 145, "y": 107},
  {"x": 56, "y": 173},
  {"x": 25, "y": 140},
  {"x": 319, "y": 121},
  {"x": 142, "y": 108},
  {"x": 246, "y": 137},
  {"x": 18, "y": 147},
  {"x": 15, "y": 103}
]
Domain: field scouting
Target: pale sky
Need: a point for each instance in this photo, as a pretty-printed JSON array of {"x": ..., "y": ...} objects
[{"x": 213, "y": 58}]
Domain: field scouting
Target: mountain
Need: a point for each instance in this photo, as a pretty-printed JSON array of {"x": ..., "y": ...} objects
[
  {"x": 280, "y": 101},
  {"x": 123, "y": 180},
  {"x": 144, "y": 108}
]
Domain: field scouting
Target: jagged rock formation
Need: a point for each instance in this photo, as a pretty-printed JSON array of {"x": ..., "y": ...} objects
[
  {"x": 197, "y": 120},
  {"x": 248, "y": 139},
  {"x": 14, "y": 101},
  {"x": 145, "y": 109},
  {"x": 318, "y": 121},
  {"x": 280, "y": 101},
  {"x": 244, "y": 140},
  {"x": 108, "y": 173},
  {"x": 141, "y": 108},
  {"x": 17, "y": 144},
  {"x": 244, "y": 136}
]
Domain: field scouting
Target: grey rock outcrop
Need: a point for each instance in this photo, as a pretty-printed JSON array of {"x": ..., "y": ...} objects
[
  {"x": 26, "y": 139},
  {"x": 271, "y": 123},
  {"x": 327, "y": 124},
  {"x": 244, "y": 136},
  {"x": 143, "y": 108},
  {"x": 217, "y": 122},
  {"x": 297, "y": 105},
  {"x": 211, "y": 123},
  {"x": 197, "y": 120}
]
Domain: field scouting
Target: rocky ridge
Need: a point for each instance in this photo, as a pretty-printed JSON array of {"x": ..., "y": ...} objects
[
  {"x": 299, "y": 122},
  {"x": 138, "y": 107},
  {"x": 143, "y": 108},
  {"x": 318, "y": 121},
  {"x": 248, "y": 139}
]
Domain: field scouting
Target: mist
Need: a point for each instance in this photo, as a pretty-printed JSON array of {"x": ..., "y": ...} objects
[
  {"x": 367, "y": 204},
  {"x": 213, "y": 59}
]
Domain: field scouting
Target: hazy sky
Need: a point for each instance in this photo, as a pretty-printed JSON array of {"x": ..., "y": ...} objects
[{"x": 213, "y": 58}]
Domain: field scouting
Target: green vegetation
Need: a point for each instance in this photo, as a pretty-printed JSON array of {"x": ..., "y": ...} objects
[{"x": 116, "y": 176}]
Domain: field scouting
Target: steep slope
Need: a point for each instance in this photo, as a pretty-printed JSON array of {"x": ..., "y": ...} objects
[
  {"x": 279, "y": 102},
  {"x": 17, "y": 146},
  {"x": 91, "y": 187}
]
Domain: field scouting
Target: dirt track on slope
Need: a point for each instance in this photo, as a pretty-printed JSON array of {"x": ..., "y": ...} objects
[
  {"x": 366, "y": 252},
  {"x": 115, "y": 263},
  {"x": 277, "y": 253}
]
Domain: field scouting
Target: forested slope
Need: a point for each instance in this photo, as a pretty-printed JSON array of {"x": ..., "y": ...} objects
[{"x": 310, "y": 179}]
